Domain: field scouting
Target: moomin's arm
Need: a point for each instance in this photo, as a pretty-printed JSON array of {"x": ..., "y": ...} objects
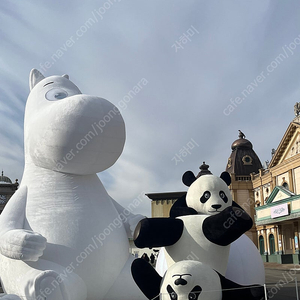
[{"x": 16, "y": 242}]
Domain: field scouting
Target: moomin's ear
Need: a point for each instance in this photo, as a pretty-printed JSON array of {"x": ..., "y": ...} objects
[{"x": 35, "y": 77}]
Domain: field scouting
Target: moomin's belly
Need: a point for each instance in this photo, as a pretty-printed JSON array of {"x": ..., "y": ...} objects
[{"x": 83, "y": 232}]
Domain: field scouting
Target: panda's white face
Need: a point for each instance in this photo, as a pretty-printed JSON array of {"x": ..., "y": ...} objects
[
  {"x": 190, "y": 280},
  {"x": 208, "y": 195}
]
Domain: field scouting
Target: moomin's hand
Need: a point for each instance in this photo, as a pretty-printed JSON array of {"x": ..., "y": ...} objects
[{"x": 22, "y": 244}]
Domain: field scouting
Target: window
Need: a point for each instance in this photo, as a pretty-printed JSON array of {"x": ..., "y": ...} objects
[
  {"x": 261, "y": 245},
  {"x": 247, "y": 160},
  {"x": 272, "y": 244}
]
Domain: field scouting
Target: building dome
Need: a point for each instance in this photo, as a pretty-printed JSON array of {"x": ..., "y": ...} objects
[
  {"x": 243, "y": 160},
  {"x": 241, "y": 143},
  {"x": 4, "y": 179}
]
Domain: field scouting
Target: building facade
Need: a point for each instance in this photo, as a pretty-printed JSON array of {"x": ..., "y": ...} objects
[
  {"x": 7, "y": 189},
  {"x": 271, "y": 195},
  {"x": 277, "y": 200},
  {"x": 161, "y": 203},
  {"x": 242, "y": 162}
]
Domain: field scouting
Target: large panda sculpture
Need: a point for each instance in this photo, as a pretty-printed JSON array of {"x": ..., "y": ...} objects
[
  {"x": 62, "y": 237},
  {"x": 190, "y": 280},
  {"x": 203, "y": 225},
  {"x": 245, "y": 265},
  {"x": 203, "y": 235}
]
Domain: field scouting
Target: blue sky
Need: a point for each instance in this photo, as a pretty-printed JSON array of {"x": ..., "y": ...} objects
[{"x": 237, "y": 68}]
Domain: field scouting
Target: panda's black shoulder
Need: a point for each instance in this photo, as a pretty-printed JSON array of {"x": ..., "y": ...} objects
[{"x": 180, "y": 208}]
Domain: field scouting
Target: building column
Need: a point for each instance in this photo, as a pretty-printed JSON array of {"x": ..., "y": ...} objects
[
  {"x": 273, "y": 183},
  {"x": 296, "y": 238},
  {"x": 265, "y": 241},
  {"x": 276, "y": 239},
  {"x": 291, "y": 181},
  {"x": 261, "y": 194},
  {"x": 234, "y": 196},
  {"x": 280, "y": 246}
]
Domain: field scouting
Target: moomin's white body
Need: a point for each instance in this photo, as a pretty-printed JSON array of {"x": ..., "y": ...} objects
[{"x": 62, "y": 237}]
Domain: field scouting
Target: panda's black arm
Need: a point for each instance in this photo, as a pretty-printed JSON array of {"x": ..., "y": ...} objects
[
  {"x": 180, "y": 208},
  {"x": 232, "y": 290},
  {"x": 227, "y": 226},
  {"x": 157, "y": 232},
  {"x": 146, "y": 278}
]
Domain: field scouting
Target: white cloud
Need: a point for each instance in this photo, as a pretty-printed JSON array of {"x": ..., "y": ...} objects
[{"x": 187, "y": 91}]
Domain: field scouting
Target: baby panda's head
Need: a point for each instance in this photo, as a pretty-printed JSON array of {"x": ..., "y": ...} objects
[
  {"x": 208, "y": 194},
  {"x": 190, "y": 280}
]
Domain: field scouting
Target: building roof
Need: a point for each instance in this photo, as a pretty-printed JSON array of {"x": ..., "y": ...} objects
[
  {"x": 4, "y": 179},
  {"x": 243, "y": 159},
  {"x": 280, "y": 153},
  {"x": 165, "y": 196}
]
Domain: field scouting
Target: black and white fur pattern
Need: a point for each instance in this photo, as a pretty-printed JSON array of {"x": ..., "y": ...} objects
[
  {"x": 189, "y": 280},
  {"x": 204, "y": 235}
]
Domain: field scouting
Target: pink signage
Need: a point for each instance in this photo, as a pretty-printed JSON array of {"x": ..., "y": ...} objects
[{"x": 279, "y": 210}]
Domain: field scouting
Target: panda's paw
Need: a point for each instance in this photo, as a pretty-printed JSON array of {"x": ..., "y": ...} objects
[
  {"x": 134, "y": 221},
  {"x": 157, "y": 232},
  {"x": 226, "y": 226},
  {"x": 257, "y": 292}
]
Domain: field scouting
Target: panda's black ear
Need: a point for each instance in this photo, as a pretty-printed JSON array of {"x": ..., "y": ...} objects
[
  {"x": 188, "y": 178},
  {"x": 226, "y": 177}
]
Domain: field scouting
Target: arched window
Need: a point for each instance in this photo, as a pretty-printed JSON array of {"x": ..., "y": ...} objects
[
  {"x": 261, "y": 245},
  {"x": 272, "y": 244}
]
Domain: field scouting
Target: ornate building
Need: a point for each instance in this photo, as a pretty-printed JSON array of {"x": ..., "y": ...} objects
[
  {"x": 271, "y": 195},
  {"x": 7, "y": 189},
  {"x": 242, "y": 162},
  {"x": 277, "y": 199}
]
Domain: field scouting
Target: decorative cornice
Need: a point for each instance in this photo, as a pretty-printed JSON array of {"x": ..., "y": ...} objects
[
  {"x": 283, "y": 144},
  {"x": 165, "y": 196},
  {"x": 277, "y": 220}
]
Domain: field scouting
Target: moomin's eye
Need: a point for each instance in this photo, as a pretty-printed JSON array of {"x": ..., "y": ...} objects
[{"x": 56, "y": 94}]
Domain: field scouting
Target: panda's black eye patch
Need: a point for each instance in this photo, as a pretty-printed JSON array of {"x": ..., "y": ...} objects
[
  {"x": 172, "y": 293},
  {"x": 223, "y": 196},
  {"x": 195, "y": 292},
  {"x": 205, "y": 197}
]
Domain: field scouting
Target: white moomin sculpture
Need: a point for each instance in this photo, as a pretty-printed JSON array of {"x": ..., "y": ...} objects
[{"x": 62, "y": 237}]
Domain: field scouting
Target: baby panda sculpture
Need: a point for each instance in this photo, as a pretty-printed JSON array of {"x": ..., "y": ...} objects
[
  {"x": 190, "y": 280},
  {"x": 62, "y": 237},
  {"x": 203, "y": 235}
]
